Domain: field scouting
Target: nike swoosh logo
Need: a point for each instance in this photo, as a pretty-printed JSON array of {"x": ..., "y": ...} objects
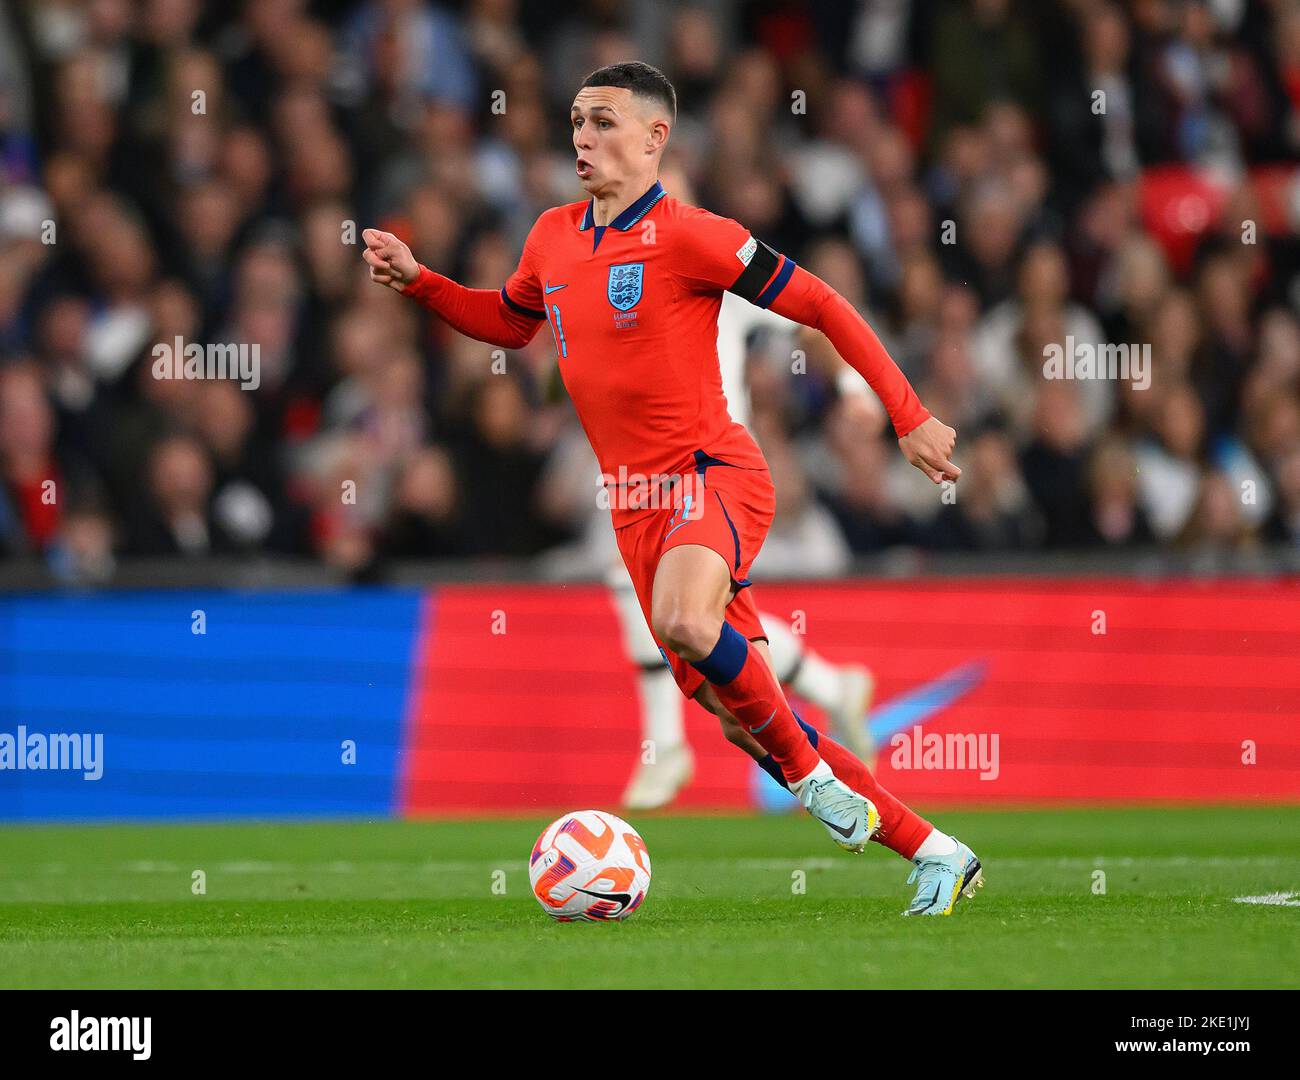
[
  {"x": 914, "y": 707},
  {"x": 845, "y": 831},
  {"x": 756, "y": 730},
  {"x": 919, "y": 705},
  {"x": 622, "y": 898},
  {"x": 555, "y": 288}
]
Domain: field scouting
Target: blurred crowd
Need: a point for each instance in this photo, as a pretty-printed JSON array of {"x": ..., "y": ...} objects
[{"x": 981, "y": 178}]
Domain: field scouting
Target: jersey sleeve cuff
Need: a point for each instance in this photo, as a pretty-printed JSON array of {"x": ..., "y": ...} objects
[
  {"x": 423, "y": 285},
  {"x": 914, "y": 419}
]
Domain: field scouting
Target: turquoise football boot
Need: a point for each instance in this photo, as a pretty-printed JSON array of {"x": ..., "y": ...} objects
[
  {"x": 942, "y": 879},
  {"x": 850, "y": 818}
]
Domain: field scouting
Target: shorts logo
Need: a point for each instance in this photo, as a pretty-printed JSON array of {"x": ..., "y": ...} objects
[
  {"x": 624, "y": 289},
  {"x": 685, "y": 510},
  {"x": 747, "y": 250}
]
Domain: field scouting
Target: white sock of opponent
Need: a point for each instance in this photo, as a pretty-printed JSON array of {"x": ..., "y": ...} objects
[
  {"x": 661, "y": 708},
  {"x": 799, "y": 668}
]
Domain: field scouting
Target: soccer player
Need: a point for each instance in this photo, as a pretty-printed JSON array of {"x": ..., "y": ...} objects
[
  {"x": 630, "y": 282},
  {"x": 842, "y": 691}
]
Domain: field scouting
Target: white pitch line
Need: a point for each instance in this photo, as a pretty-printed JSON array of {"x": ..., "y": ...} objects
[
  {"x": 1022, "y": 863},
  {"x": 1275, "y": 899},
  {"x": 466, "y": 866}
]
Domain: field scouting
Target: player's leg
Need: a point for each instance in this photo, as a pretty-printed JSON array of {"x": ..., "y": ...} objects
[
  {"x": 692, "y": 588},
  {"x": 843, "y": 692},
  {"x": 901, "y": 829},
  {"x": 665, "y": 763},
  {"x": 945, "y": 868}
]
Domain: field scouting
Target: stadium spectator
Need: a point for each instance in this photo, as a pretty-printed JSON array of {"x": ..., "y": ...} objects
[
  {"x": 175, "y": 169},
  {"x": 995, "y": 513}
]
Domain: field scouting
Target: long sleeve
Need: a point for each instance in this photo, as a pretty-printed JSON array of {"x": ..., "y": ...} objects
[
  {"x": 719, "y": 253},
  {"x": 483, "y": 314},
  {"x": 809, "y": 300}
]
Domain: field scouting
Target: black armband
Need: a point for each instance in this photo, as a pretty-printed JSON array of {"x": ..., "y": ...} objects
[{"x": 763, "y": 264}]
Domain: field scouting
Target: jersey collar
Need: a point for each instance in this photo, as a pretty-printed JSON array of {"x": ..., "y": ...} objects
[{"x": 631, "y": 215}]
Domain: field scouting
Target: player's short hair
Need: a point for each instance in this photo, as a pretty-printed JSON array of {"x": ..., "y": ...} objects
[{"x": 644, "y": 80}]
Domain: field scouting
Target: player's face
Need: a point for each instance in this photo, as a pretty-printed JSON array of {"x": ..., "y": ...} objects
[{"x": 611, "y": 130}]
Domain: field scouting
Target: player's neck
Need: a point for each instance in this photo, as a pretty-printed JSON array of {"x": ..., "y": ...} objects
[{"x": 608, "y": 205}]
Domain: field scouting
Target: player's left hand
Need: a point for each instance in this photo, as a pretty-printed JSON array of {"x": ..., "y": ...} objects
[
  {"x": 391, "y": 262},
  {"x": 928, "y": 446}
]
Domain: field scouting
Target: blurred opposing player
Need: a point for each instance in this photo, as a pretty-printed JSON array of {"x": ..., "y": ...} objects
[{"x": 630, "y": 283}]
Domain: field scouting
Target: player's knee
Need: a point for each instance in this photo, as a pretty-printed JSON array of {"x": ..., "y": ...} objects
[{"x": 691, "y": 635}]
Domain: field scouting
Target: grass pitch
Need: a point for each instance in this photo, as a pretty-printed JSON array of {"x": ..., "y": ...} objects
[{"x": 412, "y": 904}]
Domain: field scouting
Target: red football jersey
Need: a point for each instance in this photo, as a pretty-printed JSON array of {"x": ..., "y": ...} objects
[{"x": 633, "y": 307}]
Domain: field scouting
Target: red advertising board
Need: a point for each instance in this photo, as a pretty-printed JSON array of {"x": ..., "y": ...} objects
[{"x": 989, "y": 691}]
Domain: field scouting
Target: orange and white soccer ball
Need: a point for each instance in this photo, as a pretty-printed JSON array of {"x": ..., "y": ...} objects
[{"x": 589, "y": 865}]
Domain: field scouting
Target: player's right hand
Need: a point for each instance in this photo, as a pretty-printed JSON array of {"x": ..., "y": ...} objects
[
  {"x": 929, "y": 447},
  {"x": 391, "y": 262}
]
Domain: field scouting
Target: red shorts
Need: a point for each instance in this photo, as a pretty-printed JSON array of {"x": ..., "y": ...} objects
[{"x": 722, "y": 507}]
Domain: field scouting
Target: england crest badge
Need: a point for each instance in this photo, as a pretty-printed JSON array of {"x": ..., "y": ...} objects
[{"x": 625, "y": 285}]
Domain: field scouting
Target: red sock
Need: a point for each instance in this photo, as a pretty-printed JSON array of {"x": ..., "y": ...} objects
[
  {"x": 755, "y": 698},
  {"x": 901, "y": 829}
]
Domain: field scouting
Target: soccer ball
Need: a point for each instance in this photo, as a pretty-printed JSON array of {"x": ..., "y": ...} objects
[{"x": 589, "y": 865}]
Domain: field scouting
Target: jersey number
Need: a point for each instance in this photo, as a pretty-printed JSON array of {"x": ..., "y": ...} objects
[{"x": 557, "y": 329}]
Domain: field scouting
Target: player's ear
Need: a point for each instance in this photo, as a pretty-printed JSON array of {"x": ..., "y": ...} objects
[{"x": 657, "y": 136}]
